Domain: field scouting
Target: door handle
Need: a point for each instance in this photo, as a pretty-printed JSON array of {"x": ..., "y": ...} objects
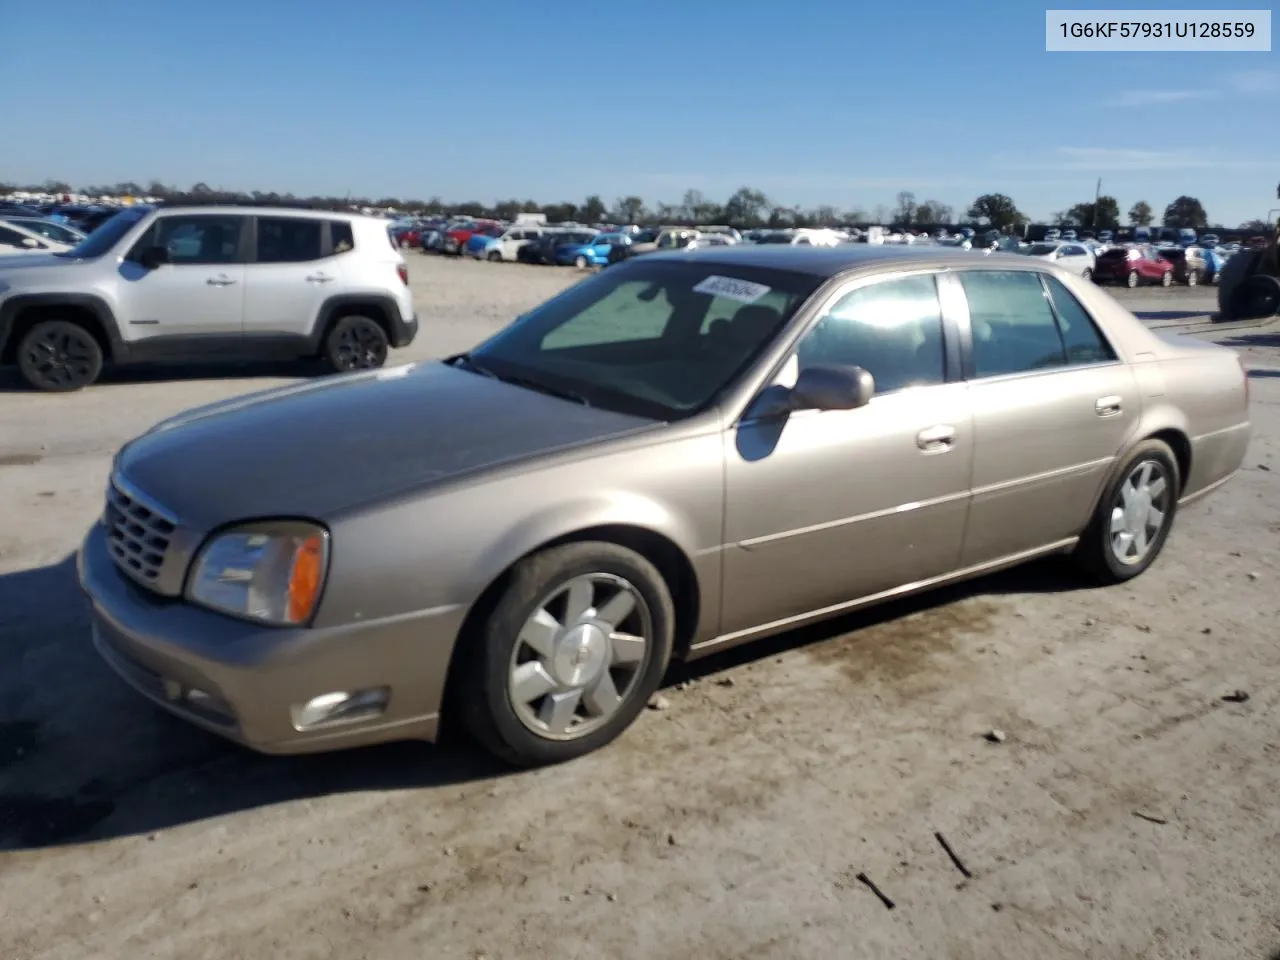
[
  {"x": 1107, "y": 406},
  {"x": 319, "y": 278},
  {"x": 221, "y": 280},
  {"x": 936, "y": 439}
]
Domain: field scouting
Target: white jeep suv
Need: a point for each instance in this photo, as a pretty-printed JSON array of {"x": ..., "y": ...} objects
[{"x": 191, "y": 283}]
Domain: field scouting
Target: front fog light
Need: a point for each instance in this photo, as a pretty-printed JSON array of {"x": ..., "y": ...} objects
[
  {"x": 340, "y": 706},
  {"x": 270, "y": 572}
]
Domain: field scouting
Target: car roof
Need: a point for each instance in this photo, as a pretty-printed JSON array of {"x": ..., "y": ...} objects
[{"x": 830, "y": 261}]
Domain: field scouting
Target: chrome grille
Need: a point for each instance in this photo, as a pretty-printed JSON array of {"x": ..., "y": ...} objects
[{"x": 138, "y": 534}]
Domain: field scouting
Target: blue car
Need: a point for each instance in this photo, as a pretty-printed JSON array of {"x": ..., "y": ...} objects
[{"x": 593, "y": 253}]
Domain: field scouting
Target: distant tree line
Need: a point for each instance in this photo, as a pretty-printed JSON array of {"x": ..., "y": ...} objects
[{"x": 745, "y": 208}]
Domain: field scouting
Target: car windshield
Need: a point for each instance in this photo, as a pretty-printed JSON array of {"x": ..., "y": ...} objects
[
  {"x": 657, "y": 339},
  {"x": 106, "y": 236},
  {"x": 1041, "y": 249}
]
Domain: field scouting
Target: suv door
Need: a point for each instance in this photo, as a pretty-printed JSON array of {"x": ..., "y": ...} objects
[
  {"x": 294, "y": 269},
  {"x": 198, "y": 292},
  {"x": 827, "y": 507},
  {"x": 1052, "y": 408}
]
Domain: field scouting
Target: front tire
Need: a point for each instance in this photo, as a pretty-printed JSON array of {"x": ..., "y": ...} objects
[
  {"x": 356, "y": 343},
  {"x": 494, "y": 256},
  {"x": 580, "y": 263},
  {"x": 569, "y": 656},
  {"x": 1166, "y": 279},
  {"x": 1131, "y": 281},
  {"x": 1086, "y": 274},
  {"x": 1134, "y": 516},
  {"x": 58, "y": 356},
  {"x": 1193, "y": 278}
]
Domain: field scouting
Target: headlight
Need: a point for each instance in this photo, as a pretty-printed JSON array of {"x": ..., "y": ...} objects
[{"x": 272, "y": 572}]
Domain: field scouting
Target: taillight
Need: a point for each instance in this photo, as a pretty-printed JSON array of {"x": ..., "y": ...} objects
[{"x": 404, "y": 273}]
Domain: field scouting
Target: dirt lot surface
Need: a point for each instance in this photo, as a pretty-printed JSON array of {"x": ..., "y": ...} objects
[{"x": 1130, "y": 810}]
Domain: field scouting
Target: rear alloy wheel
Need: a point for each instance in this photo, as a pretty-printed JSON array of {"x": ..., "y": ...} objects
[
  {"x": 1134, "y": 516},
  {"x": 1132, "y": 279},
  {"x": 356, "y": 343},
  {"x": 1166, "y": 279},
  {"x": 580, "y": 263},
  {"x": 569, "y": 655},
  {"x": 58, "y": 356}
]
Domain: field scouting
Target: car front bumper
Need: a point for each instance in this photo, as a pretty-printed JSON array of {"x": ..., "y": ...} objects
[{"x": 247, "y": 678}]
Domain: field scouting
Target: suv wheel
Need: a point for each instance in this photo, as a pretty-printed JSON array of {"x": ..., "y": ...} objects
[
  {"x": 59, "y": 356},
  {"x": 569, "y": 655},
  {"x": 356, "y": 343},
  {"x": 1132, "y": 279},
  {"x": 1193, "y": 278},
  {"x": 580, "y": 263},
  {"x": 1166, "y": 279},
  {"x": 494, "y": 256}
]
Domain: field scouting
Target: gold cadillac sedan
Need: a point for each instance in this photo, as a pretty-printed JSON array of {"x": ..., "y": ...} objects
[{"x": 683, "y": 452}]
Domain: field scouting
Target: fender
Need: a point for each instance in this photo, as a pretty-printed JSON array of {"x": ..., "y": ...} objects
[
  {"x": 13, "y": 306},
  {"x": 400, "y": 331},
  {"x": 617, "y": 509}
]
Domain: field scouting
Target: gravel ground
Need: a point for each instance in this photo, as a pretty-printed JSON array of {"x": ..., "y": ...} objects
[{"x": 1129, "y": 811}]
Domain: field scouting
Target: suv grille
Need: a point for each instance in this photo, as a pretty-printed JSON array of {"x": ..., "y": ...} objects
[{"x": 138, "y": 534}]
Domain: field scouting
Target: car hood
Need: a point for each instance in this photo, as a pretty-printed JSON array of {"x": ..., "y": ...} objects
[
  {"x": 319, "y": 448},
  {"x": 28, "y": 261}
]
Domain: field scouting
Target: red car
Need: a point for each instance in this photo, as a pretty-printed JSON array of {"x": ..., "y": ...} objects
[
  {"x": 455, "y": 241},
  {"x": 1133, "y": 266}
]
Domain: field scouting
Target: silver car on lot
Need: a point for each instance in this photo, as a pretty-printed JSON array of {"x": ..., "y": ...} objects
[
  {"x": 684, "y": 452},
  {"x": 1077, "y": 258}
]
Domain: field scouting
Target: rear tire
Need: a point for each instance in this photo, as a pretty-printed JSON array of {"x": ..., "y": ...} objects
[
  {"x": 1086, "y": 274},
  {"x": 356, "y": 342},
  {"x": 1099, "y": 551},
  {"x": 1166, "y": 279},
  {"x": 1132, "y": 279},
  {"x": 1193, "y": 278},
  {"x": 494, "y": 256},
  {"x": 525, "y": 730},
  {"x": 59, "y": 356}
]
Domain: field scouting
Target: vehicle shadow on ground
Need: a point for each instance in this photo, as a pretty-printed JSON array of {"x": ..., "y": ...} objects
[
  {"x": 83, "y": 757},
  {"x": 10, "y": 382},
  {"x": 1149, "y": 316},
  {"x": 1255, "y": 340}
]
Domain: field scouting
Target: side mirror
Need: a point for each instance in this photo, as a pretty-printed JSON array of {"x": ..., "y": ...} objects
[
  {"x": 153, "y": 257},
  {"x": 820, "y": 387},
  {"x": 832, "y": 387}
]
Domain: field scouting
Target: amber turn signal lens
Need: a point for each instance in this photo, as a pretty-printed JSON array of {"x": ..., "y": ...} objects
[{"x": 304, "y": 579}]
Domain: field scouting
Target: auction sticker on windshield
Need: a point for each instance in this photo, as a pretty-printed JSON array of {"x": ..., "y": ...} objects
[{"x": 743, "y": 291}]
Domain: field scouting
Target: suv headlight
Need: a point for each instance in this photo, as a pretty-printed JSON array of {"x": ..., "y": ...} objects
[{"x": 272, "y": 572}]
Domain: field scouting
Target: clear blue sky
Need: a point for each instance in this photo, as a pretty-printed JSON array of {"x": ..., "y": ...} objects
[{"x": 812, "y": 102}]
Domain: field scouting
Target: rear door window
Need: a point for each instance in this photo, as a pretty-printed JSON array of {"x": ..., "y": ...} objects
[
  {"x": 1014, "y": 329},
  {"x": 288, "y": 239}
]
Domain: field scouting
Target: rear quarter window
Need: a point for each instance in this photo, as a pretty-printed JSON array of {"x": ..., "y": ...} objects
[{"x": 343, "y": 237}]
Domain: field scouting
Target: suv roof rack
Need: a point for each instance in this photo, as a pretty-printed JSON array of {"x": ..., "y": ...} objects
[{"x": 250, "y": 202}]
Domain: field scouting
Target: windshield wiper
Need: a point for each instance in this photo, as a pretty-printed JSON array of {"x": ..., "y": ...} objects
[
  {"x": 540, "y": 387},
  {"x": 467, "y": 361}
]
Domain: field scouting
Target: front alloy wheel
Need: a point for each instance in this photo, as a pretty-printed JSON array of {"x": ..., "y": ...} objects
[
  {"x": 58, "y": 356},
  {"x": 568, "y": 655},
  {"x": 1166, "y": 279},
  {"x": 578, "y": 656},
  {"x": 1132, "y": 279}
]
